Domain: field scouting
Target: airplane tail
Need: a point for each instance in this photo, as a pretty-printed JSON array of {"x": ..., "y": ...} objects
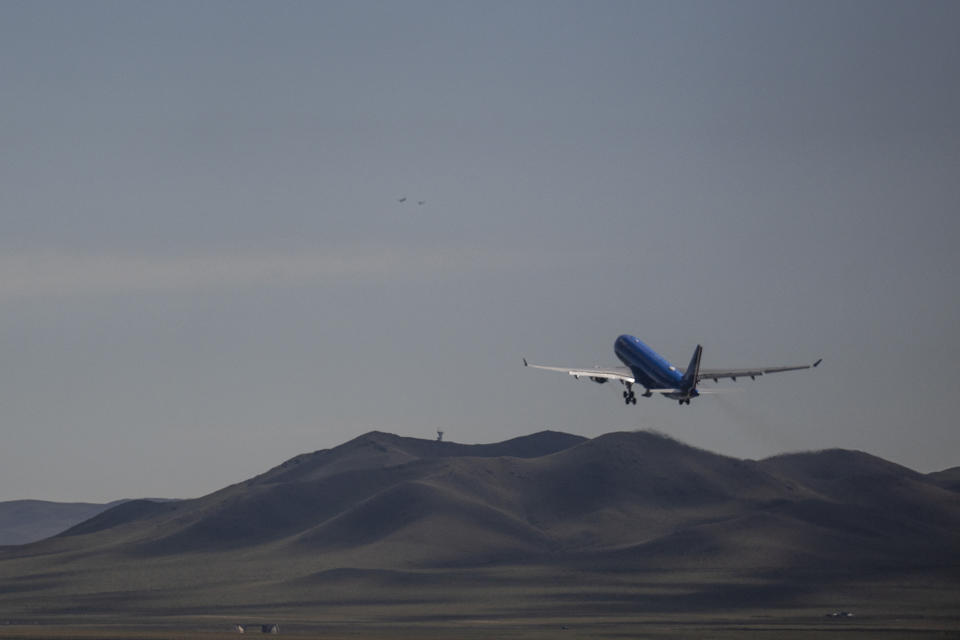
[{"x": 690, "y": 376}]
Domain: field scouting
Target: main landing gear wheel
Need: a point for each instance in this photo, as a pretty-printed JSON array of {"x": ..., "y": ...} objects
[{"x": 629, "y": 397}]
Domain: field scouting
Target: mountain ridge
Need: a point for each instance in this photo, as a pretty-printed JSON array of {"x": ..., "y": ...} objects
[{"x": 382, "y": 508}]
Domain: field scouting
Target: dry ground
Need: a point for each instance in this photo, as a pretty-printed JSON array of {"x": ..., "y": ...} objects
[{"x": 693, "y": 626}]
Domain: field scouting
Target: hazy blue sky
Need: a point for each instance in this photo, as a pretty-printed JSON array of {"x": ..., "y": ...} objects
[{"x": 204, "y": 269}]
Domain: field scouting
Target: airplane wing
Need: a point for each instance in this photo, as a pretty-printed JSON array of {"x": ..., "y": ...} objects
[
  {"x": 610, "y": 373},
  {"x": 716, "y": 374}
]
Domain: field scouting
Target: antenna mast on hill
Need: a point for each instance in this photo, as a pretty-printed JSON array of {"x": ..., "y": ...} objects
[{"x": 439, "y": 435}]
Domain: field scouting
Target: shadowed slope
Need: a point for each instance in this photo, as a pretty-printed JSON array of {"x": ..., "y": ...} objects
[
  {"x": 947, "y": 479},
  {"x": 428, "y": 524},
  {"x": 864, "y": 482}
]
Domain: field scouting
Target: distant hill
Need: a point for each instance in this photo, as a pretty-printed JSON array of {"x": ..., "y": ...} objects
[
  {"x": 548, "y": 522},
  {"x": 23, "y": 521}
]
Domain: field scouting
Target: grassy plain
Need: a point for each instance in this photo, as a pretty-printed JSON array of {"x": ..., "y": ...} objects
[{"x": 919, "y": 606}]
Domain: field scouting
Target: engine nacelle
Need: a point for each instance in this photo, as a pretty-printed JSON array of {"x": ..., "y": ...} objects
[{"x": 598, "y": 380}]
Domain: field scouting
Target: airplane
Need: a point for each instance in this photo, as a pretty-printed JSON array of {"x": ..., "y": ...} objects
[{"x": 650, "y": 370}]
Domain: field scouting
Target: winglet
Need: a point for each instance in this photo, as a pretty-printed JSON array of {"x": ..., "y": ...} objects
[
  {"x": 817, "y": 362},
  {"x": 526, "y": 365}
]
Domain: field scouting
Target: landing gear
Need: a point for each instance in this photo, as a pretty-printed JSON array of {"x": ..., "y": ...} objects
[{"x": 629, "y": 397}]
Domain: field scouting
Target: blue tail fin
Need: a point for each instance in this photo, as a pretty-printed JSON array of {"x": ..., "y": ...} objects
[{"x": 690, "y": 376}]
